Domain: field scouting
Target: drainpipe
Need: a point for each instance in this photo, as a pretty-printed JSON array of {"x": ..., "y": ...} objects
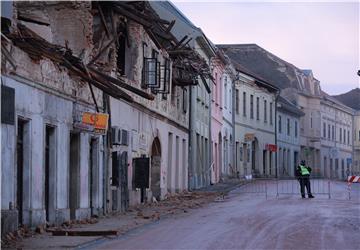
[
  {"x": 233, "y": 128},
  {"x": 277, "y": 149},
  {"x": 190, "y": 165},
  {"x": 209, "y": 159},
  {"x": 106, "y": 156}
]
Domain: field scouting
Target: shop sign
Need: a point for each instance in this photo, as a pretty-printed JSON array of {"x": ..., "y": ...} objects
[
  {"x": 271, "y": 147},
  {"x": 93, "y": 122}
]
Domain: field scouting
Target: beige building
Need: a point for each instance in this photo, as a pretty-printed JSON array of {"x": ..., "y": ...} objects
[
  {"x": 356, "y": 130},
  {"x": 336, "y": 138},
  {"x": 321, "y": 111},
  {"x": 352, "y": 100}
]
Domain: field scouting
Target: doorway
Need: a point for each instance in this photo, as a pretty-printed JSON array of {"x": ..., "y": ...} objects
[
  {"x": 264, "y": 162},
  {"x": 270, "y": 163},
  {"x": 20, "y": 170},
  {"x": 155, "y": 168},
  {"x": 253, "y": 155},
  {"x": 124, "y": 189},
  {"x": 296, "y": 161},
  {"x": 50, "y": 172},
  {"x": 74, "y": 173},
  {"x": 94, "y": 175}
]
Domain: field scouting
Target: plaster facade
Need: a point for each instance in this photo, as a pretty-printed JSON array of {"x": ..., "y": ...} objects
[
  {"x": 288, "y": 138},
  {"x": 356, "y": 144},
  {"x": 336, "y": 139},
  {"x": 217, "y": 120},
  {"x": 228, "y": 168},
  {"x": 252, "y": 131}
]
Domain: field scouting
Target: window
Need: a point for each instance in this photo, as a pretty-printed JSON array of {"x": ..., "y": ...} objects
[
  {"x": 185, "y": 100},
  {"x": 151, "y": 69},
  {"x": 120, "y": 59},
  {"x": 241, "y": 153},
  {"x": 271, "y": 113},
  {"x": 279, "y": 123},
  {"x": 257, "y": 108},
  {"x": 288, "y": 126},
  {"x": 251, "y": 107},
  {"x": 230, "y": 101},
  {"x": 348, "y": 137},
  {"x": 237, "y": 101},
  {"x": 344, "y": 136},
  {"x": 248, "y": 155},
  {"x": 165, "y": 80},
  {"x": 324, "y": 130},
  {"x": 333, "y": 132},
  {"x": 265, "y": 111},
  {"x": 156, "y": 76},
  {"x": 329, "y": 131},
  {"x": 340, "y": 131},
  {"x": 311, "y": 121},
  {"x": 359, "y": 135},
  {"x": 296, "y": 129},
  {"x": 225, "y": 92},
  {"x": 215, "y": 88},
  {"x": 244, "y": 104}
]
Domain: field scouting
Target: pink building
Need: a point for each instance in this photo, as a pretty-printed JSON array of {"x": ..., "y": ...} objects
[{"x": 218, "y": 67}]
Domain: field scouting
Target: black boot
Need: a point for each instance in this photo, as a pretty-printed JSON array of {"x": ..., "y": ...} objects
[{"x": 311, "y": 196}]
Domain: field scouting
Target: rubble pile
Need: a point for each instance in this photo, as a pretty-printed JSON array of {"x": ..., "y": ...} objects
[{"x": 175, "y": 204}]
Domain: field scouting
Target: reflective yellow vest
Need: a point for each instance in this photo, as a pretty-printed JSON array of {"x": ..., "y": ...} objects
[{"x": 304, "y": 170}]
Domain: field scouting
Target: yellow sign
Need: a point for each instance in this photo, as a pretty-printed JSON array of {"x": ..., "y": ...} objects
[
  {"x": 97, "y": 120},
  {"x": 249, "y": 137}
]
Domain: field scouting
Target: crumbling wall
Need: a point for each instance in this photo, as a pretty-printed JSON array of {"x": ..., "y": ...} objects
[{"x": 70, "y": 25}]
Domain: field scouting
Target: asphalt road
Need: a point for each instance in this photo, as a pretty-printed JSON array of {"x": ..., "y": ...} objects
[{"x": 253, "y": 221}]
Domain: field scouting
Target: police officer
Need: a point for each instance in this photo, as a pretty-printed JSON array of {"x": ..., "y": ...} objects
[{"x": 303, "y": 174}]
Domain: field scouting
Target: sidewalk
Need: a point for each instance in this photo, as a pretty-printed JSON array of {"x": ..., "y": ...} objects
[{"x": 118, "y": 224}]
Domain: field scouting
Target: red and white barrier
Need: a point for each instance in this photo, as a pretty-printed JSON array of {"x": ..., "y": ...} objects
[{"x": 354, "y": 178}]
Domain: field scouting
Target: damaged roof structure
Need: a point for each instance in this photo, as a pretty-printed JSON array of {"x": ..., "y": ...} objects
[{"x": 186, "y": 61}]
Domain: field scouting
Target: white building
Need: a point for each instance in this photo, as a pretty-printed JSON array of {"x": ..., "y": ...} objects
[
  {"x": 52, "y": 162},
  {"x": 288, "y": 137},
  {"x": 199, "y": 95},
  {"x": 254, "y": 124},
  {"x": 228, "y": 130},
  {"x": 156, "y": 130}
]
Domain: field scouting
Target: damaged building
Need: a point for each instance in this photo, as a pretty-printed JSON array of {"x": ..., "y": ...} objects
[{"x": 95, "y": 109}]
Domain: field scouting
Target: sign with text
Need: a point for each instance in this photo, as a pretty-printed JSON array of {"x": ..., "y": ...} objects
[{"x": 92, "y": 122}]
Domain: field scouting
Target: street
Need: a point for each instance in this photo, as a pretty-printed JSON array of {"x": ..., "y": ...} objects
[{"x": 252, "y": 221}]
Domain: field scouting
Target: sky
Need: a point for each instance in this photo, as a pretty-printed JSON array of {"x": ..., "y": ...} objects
[{"x": 322, "y": 36}]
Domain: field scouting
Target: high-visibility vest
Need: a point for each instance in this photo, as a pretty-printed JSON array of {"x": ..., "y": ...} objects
[{"x": 304, "y": 170}]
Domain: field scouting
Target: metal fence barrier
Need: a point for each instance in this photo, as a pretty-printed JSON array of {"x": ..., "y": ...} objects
[
  {"x": 291, "y": 186},
  {"x": 255, "y": 186},
  {"x": 331, "y": 189}
]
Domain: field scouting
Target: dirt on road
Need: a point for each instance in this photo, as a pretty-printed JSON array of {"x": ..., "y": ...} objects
[
  {"x": 252, "y": 221},
  {"x": 137, "y": 216}
]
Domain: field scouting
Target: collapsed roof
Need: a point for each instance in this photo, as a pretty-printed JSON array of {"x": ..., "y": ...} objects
[{"x": 183, "y": 56}]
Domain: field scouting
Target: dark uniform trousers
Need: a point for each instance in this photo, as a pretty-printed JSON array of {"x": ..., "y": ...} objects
[{"x": 305, "y": 182}]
